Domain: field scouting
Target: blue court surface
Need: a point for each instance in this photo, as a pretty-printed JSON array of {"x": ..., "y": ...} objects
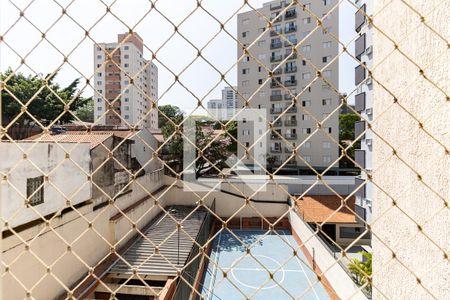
[{"x": 247, "y": 276}]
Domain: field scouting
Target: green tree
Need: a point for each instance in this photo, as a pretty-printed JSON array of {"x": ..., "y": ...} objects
[
  {"x": 347, "y": 126},
  {"x": 25, "y": 98},
  {"x": 346, "y": 136},
  {"x": 362, "y": 270},
  {"x": 270, "y": 160},
  {"x": 168, "y": 112},
  {"x": 86, "y": 112}
]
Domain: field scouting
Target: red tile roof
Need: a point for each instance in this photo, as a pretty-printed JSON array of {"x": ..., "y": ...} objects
[
  {"x": 329, "y": 209},
  {"x": 94, "y": 139}
]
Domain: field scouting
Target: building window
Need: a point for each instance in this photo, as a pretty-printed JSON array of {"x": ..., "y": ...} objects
[
  {"x": 327, "y": 73},
  {"x": 127, "y": 117},
  {"x": 99, "y": 57},
  {"x": 126, "y": 100},
  {"x": 247, "y": 144},
  {"x": 246, "y": 71},
  {"x": 326, "y": 45},
  {"x": 246, "y": 132},
  {"x": 306, "y": 103},
  {"x": 261, "y": 43},
  {"x": 244, "y": 34},
  {"x": 245, "y": 21},
  {"x": 126, "y": 65},
  {"x": 261, "y": 56},
  {"x": 126, "y": 56},
  {"x": 99, "y": 108},
  {"x": 306, "y": 130},
  {"x": 245, "y": 83},
  {"x": 260, "y": 81},
  {"x": 127, "y": 108},
  {"x": 306, "y": 48},
  {"x": 126, "y": 47},
  {"x": 326, "y": 102},
  {"x": 326, "y": 59},
  {"x": 306, "y": 75},
  {"x": 307, "y": 158},
  {"x": 35, "y": 190},
  {"x": 307, "y": 145},
  {"x": 306, "y": 117},
  {"x": 326, "y": 145},
  {"x": 307, "y": 20},
  {"x": 326, "y": 2},
  {"x": 326, "y": 159}
]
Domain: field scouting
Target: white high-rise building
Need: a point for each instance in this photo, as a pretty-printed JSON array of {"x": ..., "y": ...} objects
[
  {"x": 279, "y": 75},
  {"x": 128, "y": 81},
  {"x": 225, "y": 108},
  {"x": 364, "y": 104}
]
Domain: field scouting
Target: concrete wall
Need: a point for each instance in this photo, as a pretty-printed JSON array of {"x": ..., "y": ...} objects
[
  {"x": 42, "y": 159},
  {"x": 341, "y": 282},
  {"x": 419, "y": 254}
]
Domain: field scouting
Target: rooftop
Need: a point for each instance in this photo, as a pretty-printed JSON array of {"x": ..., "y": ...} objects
[{"x": 328, "y": 209}]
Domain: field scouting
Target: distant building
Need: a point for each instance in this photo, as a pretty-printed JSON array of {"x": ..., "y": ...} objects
[
  {"x": 225, "y": 108},
  {"x": 292, "y": 99},
  {"x": 364, "y": 105},
  {"x": 128, "y": 81}
]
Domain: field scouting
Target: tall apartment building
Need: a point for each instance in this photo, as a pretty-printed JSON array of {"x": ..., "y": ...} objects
[
  {"x": 225, "y": 108},
  {"x": 364, "y": 104},
  {"x": 127, "y": 77},
  {"x": 293, "y": 98}
]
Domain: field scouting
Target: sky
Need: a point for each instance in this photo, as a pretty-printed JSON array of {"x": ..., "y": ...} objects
[{"x": 65, "y": 35}]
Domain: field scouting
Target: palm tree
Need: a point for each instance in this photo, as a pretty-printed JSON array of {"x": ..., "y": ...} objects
[{"x": 362, "y": 270}]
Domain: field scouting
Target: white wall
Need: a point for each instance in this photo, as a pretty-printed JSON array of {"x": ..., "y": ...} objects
[
  {"x": 342, "y": 284},
  {"x": 144, "y": 146},
  {"x": 419, "y": 254},
  {"x": 66, "y": 178}
]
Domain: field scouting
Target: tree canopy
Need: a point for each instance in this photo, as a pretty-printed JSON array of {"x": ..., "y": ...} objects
[{"x": 25, "y": 98}]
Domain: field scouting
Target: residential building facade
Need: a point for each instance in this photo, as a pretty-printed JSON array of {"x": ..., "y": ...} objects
[
  {"x": 364, "y": 106},
  {"x": 126, "y": 84},
  {"x": 290, "y": 72},
  {"x": 225, "y": 108}
]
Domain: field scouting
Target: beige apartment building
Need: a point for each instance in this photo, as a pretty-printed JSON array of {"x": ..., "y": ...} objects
[
  {"x": 293, "y": 98},
  {"x": 128, "y": 82}
]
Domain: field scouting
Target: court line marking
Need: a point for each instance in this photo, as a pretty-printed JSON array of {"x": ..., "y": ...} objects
[
  {"x": 303, "y": 269},
  {"x": 265, "y": 270},
  {"x": 258, "y": 287},
  {"x": 214, "y": 274}
]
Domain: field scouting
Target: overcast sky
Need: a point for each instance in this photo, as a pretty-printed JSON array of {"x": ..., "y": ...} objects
[{"x": 68, "y": 36}]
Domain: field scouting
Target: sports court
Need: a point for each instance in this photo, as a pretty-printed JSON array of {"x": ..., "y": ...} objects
[{"x": 247, "y": 276}]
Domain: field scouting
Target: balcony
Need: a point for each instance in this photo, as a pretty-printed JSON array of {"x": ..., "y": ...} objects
[
  {"x": 276, "y": 32},
  {"x": 276, "y": 58},
  {"x": 360, "y": 102},
  {"x": 276, "y": 45},
  {"x": 289, "y": 149},
  {"x": 290, "y": 82},
  {"x": 360, "y": 158},
  {"x": 292, "y": 110},
  {"x": 290, "y": 70},
  {"x": 360, "y": 74},
  {"x": 290, "y": 15},
  {"x": 360, "y": 18},
  {"x": 360, "y": 46},
  {"x": 276, "y": 19},
  {"x": 360, "y": 128},
  {"x": 277, "y": 123},
  {"x": 277, "y": 71},
  {"x": 290, "y": 29},
  {"x": 275, "y": 6},
  {"x": 290, "y": 136},
  {"x": 276, "y": 110},
  {"x": 275, "y": 137},
  {"x": 290, "y": 43},
  {"x": 288, "y": 97},
  {"x": 290, "y": 123},
  {"x": 275, "y": 84},
  {"x": 276, "y": 97},
  {"x": 290, "y": 55},
  {"x": 275, "y": 150}
]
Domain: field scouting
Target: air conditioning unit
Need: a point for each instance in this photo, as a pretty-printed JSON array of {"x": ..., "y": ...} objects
[
  {"x": 369, "y": 50},
  {"x": 369, "y": 81},
  {"x": 369, "y": 111},
  {"x": 369, "y": 142}
]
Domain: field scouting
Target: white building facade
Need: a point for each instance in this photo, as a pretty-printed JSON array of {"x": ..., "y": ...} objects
[
  {"x": 278, "y": 74},
  {"x": 364, "y": 106},
  {"x": 225, "y": 108},
  {"x": 126, "y": 84}
]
